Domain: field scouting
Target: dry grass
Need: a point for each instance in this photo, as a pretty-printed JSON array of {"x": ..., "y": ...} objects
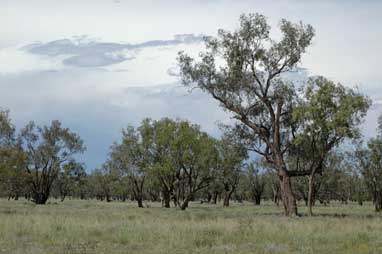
[{"x": 97, "y": 227}]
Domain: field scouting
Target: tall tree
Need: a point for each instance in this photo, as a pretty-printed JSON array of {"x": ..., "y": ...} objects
[
  {"x": 47, "y": 149},
  {"x": 242, "y": 70}
]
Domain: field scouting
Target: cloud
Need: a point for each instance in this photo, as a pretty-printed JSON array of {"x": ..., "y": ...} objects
[{"x": 84, "y": 52}]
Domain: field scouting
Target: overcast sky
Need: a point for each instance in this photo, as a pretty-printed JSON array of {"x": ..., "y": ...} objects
[{"x": 98, "y": 65}]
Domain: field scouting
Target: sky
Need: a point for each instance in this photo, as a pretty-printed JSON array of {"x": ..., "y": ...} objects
[{"x": 100, "y": 65}]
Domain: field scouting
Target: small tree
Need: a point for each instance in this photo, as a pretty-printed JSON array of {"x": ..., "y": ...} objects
[
  {"x": 131, "y": 158},
  {"x": 370, "y": 162},
  {"x": 231, "y": 157},
  {"x": 257, "y": 181},
  {"x": 70, "y": 178},
  {"x": 47, "y": 149}
]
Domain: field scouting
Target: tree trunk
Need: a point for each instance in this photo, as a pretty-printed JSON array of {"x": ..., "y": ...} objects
[
  {"x": 166, "y": 198},
  {"x": 63, "y": 198},
  {"x": 140, "y": 201},
  {"x": 257, "y": 199},
  {"x": 40, "y": 198},
  {"x": 184, "y": 204},
  {"x": 310, "y": 194},
  {"x": 227, "y": 197},
  {"x": 215, "y": 198},
  {"x": 289, "y": 200}
]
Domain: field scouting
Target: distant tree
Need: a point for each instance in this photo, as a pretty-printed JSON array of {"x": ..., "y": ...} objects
[
  {"x": 131, "y": 158},
  {"x": 161, "y": 136},
  {"x": 197, "y": 161},
  {"x": 370, "y": 162},
  {"x": 12, "y": 159},
  {"x": 103, "y": 182},
  {"x": 256, "y": 175},
  {"x": 47, "y": 149},
  {"x": 231, "y": 160},
  {"x": 70, "y": 178}
]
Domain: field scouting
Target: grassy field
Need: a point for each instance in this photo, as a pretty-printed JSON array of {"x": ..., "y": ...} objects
[{"x": 98, "y": 227}]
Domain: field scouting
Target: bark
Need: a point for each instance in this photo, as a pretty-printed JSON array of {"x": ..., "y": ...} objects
[
  {"x": 289, "y": 200},
  {"x": 227, "y": 197}
]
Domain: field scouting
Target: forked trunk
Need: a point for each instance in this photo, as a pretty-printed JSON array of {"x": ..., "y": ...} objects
[
  {"x": 287, "y": 195},
  {"x": 227, "y": 197}
]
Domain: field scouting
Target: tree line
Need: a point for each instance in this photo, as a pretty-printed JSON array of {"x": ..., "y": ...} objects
[{"x": 284, "y": 145}]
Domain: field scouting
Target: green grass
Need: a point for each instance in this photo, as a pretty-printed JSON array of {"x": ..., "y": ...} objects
[{"x": 97, "y": 227}]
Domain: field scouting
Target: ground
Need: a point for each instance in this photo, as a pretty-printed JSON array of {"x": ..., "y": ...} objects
[{"x": 94, "y": 227}]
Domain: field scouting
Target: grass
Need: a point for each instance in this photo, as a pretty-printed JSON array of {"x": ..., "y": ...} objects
[{"x": 97, "y": 227}]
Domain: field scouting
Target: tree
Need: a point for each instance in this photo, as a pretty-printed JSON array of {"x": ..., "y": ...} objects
[
  {"x": 231, "y": 156},
  {"x": 242, "y": 70},
  {"x": 197, "y": 159},
  {"x": 326, "y": 114},
  {"x": 370, "y": 162},
  {"x": 256, "y": 181},
  {"x": 12, "y": 159},
  {"x": 47, "y": 149},
  {"x": 70, "y": 178},
  {"x": 103, "y": 182},
  {"x": 131, "y": 158},
  {"x": 161, "y": 136}
]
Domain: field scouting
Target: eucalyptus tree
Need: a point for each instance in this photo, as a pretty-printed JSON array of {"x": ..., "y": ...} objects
[
  {"x": 370, "y": 162},
  {"x": 161, "y": 136},
  {"x": 12, "y": 159},
  {"x": 256, "y": 180},
  {"x": 196, "y": 157},
  {"x": 327, "y": 113},
  {"x": 47, "y": 149},
  {"x": 132, "y": 159},
  {"x": 231, "y": 160},
  {"x": 242, "y": 70},
  {"x": 70, "y": 179}
]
